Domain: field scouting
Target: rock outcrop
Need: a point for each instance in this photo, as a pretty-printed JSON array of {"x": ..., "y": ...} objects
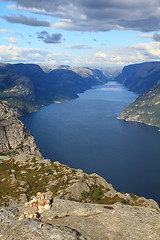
[
  {"x": 13, "y": 134},
  {"x": 30, "y": 229},
  {"x": 22, "y": 176}
]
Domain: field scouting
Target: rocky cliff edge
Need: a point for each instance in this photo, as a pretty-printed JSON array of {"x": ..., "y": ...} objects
[{"x": 14, "y": 137}]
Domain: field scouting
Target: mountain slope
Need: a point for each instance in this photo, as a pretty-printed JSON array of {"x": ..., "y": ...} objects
[
  {"x": 17, "y": 90},
  {"x": 145, "y": 109},
  {"x": 140, "y": 77},
  {"x": 26, "y": 87}
]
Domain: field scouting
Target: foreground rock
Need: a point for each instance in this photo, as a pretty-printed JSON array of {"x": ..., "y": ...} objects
[
  {"x": 101, "y": 222},
  {"x": 12, "y": 229},
  {"x": 89, "y": 221}
]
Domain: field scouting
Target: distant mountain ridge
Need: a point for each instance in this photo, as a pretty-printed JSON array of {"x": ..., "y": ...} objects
[
  {"x": 27, "y": 87},
  {"x": 140, "y": 77}
]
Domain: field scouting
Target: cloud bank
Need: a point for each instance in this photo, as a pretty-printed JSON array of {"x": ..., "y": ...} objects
[
  {"x": 26, "y": 21},
  {"x": 115, "y": 56},
  {"x": 93, "y": 15}
]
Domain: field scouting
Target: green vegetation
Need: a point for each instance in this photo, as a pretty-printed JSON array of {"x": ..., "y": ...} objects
[
  {"x": 145, "y": 109},
  {"x": 133, "y": 196},
  {"x": 32, "y": 175},
  {"x": 96, "y": 195}
]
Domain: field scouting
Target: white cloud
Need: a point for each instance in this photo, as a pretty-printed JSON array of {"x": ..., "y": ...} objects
[
  {"x": 4, "y": 31},
  {"x": 145, "y": 35},
  {"x": 12, "y": 53},
  {"x": 100, "y": 55},
  {"x": 115, "y": 56},
  {"x": 12, "y": 40},
  {"x": 34, "y": 55},
  {"x": 78, "y": 46}
]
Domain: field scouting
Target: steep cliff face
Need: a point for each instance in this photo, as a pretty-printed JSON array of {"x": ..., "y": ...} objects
[
  {"x": 13, "y": 134},
  {"x": 140, "y": 77}
]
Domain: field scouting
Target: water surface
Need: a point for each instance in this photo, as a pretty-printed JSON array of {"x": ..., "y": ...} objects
[{"x": 85, "y": 133}]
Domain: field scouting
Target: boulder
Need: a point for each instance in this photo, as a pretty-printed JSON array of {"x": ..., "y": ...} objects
[{"x": 74, "y": 191}]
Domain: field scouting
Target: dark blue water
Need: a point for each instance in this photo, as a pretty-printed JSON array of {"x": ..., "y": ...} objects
[{"x": 84, "y": 133}]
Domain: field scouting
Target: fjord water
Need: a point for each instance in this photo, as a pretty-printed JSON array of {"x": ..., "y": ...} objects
[{"x": 85, "y": 133}]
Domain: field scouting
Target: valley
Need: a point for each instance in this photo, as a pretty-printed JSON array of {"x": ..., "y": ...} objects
[{"x": 87, "y": 135}]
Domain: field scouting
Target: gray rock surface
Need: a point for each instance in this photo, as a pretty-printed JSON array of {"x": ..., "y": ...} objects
[
  {"x": 74, "y": 191},
  {"x": 62, "y": 208},
  {"x": 7, "y": 214},
  {"x": 69, "y": 220},
  {"x": 13, "y": 134},
  {"x": 116, "y": 222},
  {"x": 12, "y": 229}
]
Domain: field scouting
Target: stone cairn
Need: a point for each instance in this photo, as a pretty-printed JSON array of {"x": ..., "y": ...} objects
[{"x": 39, "y": 204}]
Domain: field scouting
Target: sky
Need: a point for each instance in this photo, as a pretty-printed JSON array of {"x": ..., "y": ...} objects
[{"x": 93, "y": 33}]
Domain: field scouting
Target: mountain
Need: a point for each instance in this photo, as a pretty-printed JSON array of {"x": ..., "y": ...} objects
[
  {"x": 144, "y": 79},
  {"x": 85, "y": 72},
  {"x": 17, "y": 90},
  {"x": 65, "y": 209},
  {"x": 27, "y": 87},
  {"x": 146, "y": 109},
  {"x": 140, "y": 77}
]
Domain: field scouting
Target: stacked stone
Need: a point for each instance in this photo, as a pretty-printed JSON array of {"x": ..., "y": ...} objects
[
  {"x": 40, "y": 203},
  {"x": 33, "y": 214}
]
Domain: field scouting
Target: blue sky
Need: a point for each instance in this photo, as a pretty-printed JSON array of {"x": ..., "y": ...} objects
[{"x": 81, "y": 32}]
